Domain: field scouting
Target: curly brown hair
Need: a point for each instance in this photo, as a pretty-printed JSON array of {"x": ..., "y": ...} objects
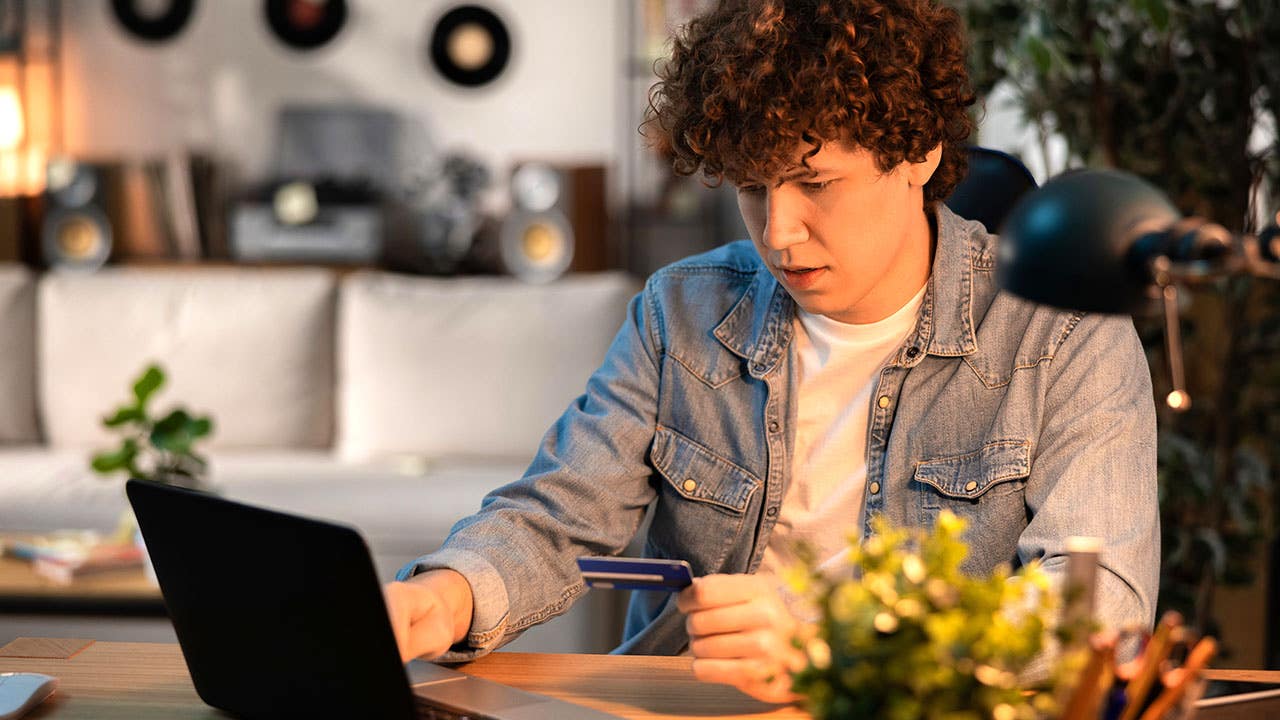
[{"x": 750, "y": 80}]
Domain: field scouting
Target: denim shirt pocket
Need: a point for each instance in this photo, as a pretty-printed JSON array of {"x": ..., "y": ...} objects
[
  {"x": 702, "y": 501},
  {"x": 969, "y": 476},
  {"x": 987, "y": 488}
]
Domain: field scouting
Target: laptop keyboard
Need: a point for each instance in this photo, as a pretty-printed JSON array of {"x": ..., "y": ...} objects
[{"x": 426, "y": 711}]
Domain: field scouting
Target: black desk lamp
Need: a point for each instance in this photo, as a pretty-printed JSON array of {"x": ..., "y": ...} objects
[{"x": 1106, "y": 241}]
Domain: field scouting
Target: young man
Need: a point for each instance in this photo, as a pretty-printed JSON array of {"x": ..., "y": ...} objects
[{"x": 854, "y": 359}]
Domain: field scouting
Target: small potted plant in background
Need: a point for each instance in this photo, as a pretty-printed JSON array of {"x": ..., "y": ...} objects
[{"x": 155, "y": 448}]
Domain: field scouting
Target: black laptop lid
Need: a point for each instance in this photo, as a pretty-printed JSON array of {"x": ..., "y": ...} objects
[{"x": 277, "y": 615}]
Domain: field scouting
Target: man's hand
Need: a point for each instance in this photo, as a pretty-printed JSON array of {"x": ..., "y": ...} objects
[
  {"x": 429, "y": 612},
  {"x": 740, "y": 634}
]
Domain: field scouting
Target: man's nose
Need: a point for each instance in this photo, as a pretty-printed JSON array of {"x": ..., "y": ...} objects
[{"x": 784, "y": 221}]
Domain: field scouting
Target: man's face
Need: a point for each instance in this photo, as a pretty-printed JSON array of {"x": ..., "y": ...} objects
[{"x": 848, "y": 240}]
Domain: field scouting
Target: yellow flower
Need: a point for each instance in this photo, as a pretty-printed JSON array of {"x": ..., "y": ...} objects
[
  {"x": 819, "y": 653},
  {"x": 885, "y": 622},
  {"x": 913, "y": 568}
]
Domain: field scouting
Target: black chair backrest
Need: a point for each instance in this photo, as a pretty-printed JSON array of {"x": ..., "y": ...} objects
[{"x": 991, "y": 188}]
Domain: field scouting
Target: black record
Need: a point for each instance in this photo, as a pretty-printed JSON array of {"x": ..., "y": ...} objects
[
  {"x": 306, "y": 24},
  {"x": 470, "y": 45},
  {"x": 150, "y": 25}
]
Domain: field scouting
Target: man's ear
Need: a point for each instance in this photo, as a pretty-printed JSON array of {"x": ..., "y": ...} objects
[{"x": 918, "y": 174}]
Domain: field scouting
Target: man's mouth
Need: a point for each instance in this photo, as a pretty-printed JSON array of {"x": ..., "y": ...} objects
[{"x": 800, "y": 277}]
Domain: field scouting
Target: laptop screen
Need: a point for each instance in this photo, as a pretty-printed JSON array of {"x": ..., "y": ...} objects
[{"x": 276, "y": 615}]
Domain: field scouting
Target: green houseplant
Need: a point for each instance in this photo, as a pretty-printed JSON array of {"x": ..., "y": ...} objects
[
  {"x": 160, "y": 448},
  {"x": 1174, "y": 91},
  {"x": 912, "y": 637}
]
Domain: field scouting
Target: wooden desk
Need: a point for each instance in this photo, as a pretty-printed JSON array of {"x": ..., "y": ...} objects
[{"x": 140, "y": 681}]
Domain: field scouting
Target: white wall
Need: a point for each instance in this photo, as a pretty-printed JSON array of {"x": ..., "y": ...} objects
[{"x": 220, "y": 83}]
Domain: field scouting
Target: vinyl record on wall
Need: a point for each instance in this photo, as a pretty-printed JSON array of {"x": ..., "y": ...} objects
[
  {"x": 153, "y": 20},
  {"x": 470, "y": 45},
  {"x": 306, "y": 24}
]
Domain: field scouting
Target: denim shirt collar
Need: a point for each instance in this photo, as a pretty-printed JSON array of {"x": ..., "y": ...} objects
[{"x": 759, "y": 328}]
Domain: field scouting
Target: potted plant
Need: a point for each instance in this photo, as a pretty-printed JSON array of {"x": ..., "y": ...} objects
[
  {"x": 156, "y": 448},
  {"x": 1180, "y": 93},
  {"x": 911, "y": 636}
]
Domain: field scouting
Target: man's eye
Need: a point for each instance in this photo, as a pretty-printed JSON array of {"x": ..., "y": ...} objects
[
  {"x": 751, "y": 189},
  {"x": 815, "y": 186}
]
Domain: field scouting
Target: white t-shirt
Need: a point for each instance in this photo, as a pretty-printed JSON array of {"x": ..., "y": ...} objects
[{"x": 837, "y": 367}]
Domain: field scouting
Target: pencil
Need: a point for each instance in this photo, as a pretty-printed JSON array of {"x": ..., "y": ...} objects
[
  {"x": 1182, "y": 678},
  {"x": 1153, "y": 655}
]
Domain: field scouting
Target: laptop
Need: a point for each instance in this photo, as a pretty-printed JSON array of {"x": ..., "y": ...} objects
[{"x": 283, "y": 616}]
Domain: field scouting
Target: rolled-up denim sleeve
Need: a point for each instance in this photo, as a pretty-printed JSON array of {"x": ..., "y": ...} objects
[
  {"x": 585, "y": 492},
  {"x": 1094, "y": 468}
]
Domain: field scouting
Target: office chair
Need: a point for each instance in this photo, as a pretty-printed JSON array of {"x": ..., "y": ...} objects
[{"x": 991, "y": 188}]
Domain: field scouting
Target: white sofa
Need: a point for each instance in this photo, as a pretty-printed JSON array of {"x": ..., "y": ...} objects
[{"x": 391, "y": 403}]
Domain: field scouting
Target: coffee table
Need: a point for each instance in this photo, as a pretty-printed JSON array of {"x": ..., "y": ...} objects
[{"x": 123, "y": 592}]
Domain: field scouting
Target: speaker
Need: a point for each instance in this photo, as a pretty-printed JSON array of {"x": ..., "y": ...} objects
[
  {"x": 560, "y": 215},
  {"x": 535, "y": 240},
  {"x": 76, "y": 232}
]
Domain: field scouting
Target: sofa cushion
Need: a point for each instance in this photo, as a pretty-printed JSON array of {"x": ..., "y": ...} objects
[
  {"x": 402, "y": 510},
  {"x": 18, "y": 422},
  {"x": 253, "y": 348},
  {"x": 466, "y": 366}
]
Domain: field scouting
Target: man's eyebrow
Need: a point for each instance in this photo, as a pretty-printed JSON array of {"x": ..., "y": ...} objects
[{"x": 801, "y": 173}]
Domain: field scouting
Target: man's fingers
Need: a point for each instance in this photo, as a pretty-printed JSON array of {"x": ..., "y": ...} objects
[
  {"x": 428, "y": 639},
  {"x": 419, "y": 621},
  {"x": 760, "y": 679},
  {"x": 759, "y": 643},
  {"x": 739, "y": 671},
  {"x": 717, "y": 590},
  {"x": 737, "y": 618}
]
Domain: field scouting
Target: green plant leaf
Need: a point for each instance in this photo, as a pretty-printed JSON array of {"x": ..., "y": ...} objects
[
  {"x": 151, "y": 380},
  {"x": 121, "y": 458},
  {"x": 200, "y": 427},
  {"x": 124, "y": 416},
  {"x": 1039, "y": 53},
  {"x": 1158, "y": 11},
  {"x": 172, "y": 432}
]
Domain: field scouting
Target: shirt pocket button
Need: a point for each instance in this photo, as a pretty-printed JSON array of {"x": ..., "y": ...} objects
[
  {"x": 690, "y": 485},
  {"x": 971, "y": 486}
]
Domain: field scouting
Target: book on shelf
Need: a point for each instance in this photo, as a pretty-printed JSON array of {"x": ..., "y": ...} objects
[{"x": 184, "y": 225}]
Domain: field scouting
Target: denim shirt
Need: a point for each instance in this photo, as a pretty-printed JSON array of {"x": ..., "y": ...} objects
[{"x": 1033, "y": 423}]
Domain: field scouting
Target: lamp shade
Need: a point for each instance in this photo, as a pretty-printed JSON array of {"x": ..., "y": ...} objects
[
  {"x": 1071, "y": 243},
  {"x": 12, "y": 127}
]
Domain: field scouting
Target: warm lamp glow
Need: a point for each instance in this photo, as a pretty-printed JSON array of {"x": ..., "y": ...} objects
[{"x": 11, "y": 124}]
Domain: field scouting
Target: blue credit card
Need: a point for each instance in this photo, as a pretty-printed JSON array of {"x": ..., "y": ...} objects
[{"x": 621, "y": 573}]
